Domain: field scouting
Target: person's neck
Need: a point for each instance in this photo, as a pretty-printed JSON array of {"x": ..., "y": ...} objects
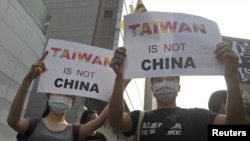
[
  {"x": 56, "y": 118},
  {"x": 55, "y": 122},
  {"x": 162, "y": 105}
]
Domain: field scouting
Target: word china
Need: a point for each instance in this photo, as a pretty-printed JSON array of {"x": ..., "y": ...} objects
[
  {"x": 168, "y": 63},
  {"x": 76, "y": 84}
]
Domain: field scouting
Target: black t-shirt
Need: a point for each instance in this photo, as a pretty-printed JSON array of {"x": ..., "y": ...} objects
[
  {"x": 97, "y": 137},
  {"x": 173, "y": 124}
]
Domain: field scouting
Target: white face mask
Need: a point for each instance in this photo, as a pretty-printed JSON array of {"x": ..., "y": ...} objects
[
  {"x": 59, "y": 104},
  {"x": 165, "y": 91}
]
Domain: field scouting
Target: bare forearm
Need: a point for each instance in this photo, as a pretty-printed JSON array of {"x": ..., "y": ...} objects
[
  {"x": 103, "y": 116},
  {"x": 235, "y": 107},
  {"x": 91, "y": 126},
  {"x": 116, "y": 103},
  {"x": 18, "y": 103}
]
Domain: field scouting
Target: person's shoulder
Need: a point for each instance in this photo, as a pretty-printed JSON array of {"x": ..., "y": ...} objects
[
  {"x": 135, "y": 112},
  {"x": 134, "y": 115},
  {"x": 195, "y": 109},
  {"x": 199, "y": 111}
]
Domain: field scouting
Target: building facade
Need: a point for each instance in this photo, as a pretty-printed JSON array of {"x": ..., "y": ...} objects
[
  {"x": 22, "y": 40},
  {"x": 25, "y": 26}
]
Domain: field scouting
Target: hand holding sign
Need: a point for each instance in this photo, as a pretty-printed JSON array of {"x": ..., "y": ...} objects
[
  {"x": 37, "y": 68},
  {"x": 242, "y": 48},
  {"x": 117, "y": 62},
  {"x": 224, "y": 52},
  {"x": 77, "y": 69},
  {"x": 170, "y": 44}
]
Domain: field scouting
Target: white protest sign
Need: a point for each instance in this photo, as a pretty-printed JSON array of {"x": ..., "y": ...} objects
[
  {"x": 165, "y": 44},
  {"x": 77, "y": 69}
]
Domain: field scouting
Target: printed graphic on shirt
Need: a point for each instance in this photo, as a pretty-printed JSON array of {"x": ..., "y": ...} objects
[
  {"x": 175, "y": 130},
  {"x": 152, "y": 128}
]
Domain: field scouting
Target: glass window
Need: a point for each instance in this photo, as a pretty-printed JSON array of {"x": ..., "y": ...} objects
[
  {"x": 108, "y": 13},
  {"x": 38, "y": 12}
]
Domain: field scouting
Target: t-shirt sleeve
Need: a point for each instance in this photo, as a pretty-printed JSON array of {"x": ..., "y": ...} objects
[
  {"x": 204, "y": 118},
  {"x": 134, "y": 115},
  {"x": 207, "y": 115}
]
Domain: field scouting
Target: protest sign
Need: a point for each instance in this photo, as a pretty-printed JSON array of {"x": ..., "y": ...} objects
[
  {"x": 161, "y": 43},
  {"x": 242, "y": 48},
  {"x": 77, "y": 69}
]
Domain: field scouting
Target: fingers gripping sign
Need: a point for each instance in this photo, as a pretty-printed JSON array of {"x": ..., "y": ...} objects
[
  {"x": 231, "y": 63},
  {"x": 225, "y": 53},
  {"x": 38, "y": 67},
  {"x": 117, "y": 62}
]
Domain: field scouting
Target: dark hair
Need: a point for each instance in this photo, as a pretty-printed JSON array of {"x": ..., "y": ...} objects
[
  {"x": 216, "y": 99},
  {"x": 85, "y": 115},
  {"x": 151, "y": 79},
  {"x": 46, "y": 111}
]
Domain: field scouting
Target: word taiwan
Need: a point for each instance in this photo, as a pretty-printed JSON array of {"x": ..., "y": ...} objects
[
  {"x": 165, "y": 27},
  {"x": 80, "y": 56}
]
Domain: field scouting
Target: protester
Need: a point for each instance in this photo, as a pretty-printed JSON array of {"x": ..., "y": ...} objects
[
  {"x": 217, "y": 101},
  {"x": 53, "y": 126},
  {"x": 89, "y": 115},
  {"x": 168, "y": 121}
]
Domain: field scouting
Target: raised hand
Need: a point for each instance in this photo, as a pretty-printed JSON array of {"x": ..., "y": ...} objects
[
  {"x": 37, "y": 68},
  {"x": 117, "y": 62},
  {"x": 224, "y": 52}
]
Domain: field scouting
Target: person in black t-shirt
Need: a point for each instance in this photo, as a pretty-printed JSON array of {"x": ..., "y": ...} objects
[{"x": 168, "y": 121}]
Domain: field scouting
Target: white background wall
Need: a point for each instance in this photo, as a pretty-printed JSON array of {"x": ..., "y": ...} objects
[{"x": 21, "y": 44}]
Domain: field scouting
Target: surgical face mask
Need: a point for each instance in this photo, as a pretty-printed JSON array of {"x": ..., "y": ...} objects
[
  {"x": 59, "y": 104},
  {"x": 165, "y": 91}
]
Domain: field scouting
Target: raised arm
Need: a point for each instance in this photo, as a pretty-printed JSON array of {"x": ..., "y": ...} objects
[
  {"x": 15, "y": 119},
  {"x": 235, "y": 111},
  {"x": 117, "y": 118}
]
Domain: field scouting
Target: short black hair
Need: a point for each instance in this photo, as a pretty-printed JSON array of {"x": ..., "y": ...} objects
[
  {"x": 151, "y": 79},
  {"x": 216, "y": 99},
  {"x": 85, "y": 115}
]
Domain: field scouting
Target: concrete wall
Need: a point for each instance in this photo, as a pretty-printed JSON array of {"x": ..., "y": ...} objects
[
  {"x": 92, "y": 22},
  {"x": 21, "y": 43}
]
